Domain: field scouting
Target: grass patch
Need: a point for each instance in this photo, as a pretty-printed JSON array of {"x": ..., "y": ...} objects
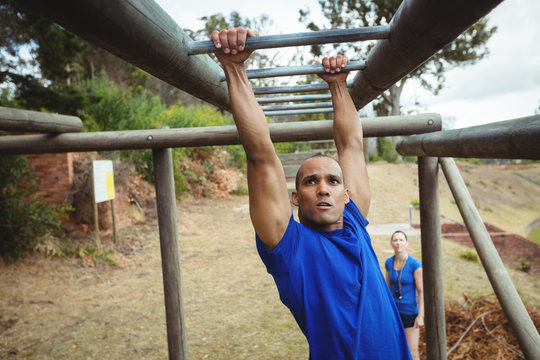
[
  {"x": 469, "y": 255},
  {"x": 535, "y": 236}
]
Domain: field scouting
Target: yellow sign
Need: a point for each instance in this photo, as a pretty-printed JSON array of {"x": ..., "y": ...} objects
[{"x": 103, "y": 180}]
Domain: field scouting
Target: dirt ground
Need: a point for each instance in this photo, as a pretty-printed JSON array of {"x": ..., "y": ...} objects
[{"x": 81, "y": 308}]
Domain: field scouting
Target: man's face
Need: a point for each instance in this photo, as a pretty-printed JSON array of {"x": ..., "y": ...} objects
[{"x": 321, "y": 195}]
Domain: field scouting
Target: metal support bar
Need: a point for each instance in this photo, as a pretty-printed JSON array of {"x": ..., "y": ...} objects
[
  {"x": 170, "y": 253},
  {"x": 513, "y": 307},
  {"x": 293, "y": 89},
  {"x": 298, "y": 39},
  {"x": 510, "y": 139},
  {"x": 419, "y": 28},
  {"x": 298, "y": 112},
  {"x": 430, "y": 229},
  {"x": 35, "y": 121},
  {"x": 296, "y": 70},
  {"x": 208, "y": 136},
  {"x": 275, "y": 99},
  {"x": 141, "y": 33},
  {"x": 317, "y": 105}
]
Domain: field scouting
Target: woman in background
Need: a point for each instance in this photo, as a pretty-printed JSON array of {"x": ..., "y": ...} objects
[{"x": 404, "y": 277}]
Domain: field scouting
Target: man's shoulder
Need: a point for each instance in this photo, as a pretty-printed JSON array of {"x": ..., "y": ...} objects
[{"x": 352, "y": 213}]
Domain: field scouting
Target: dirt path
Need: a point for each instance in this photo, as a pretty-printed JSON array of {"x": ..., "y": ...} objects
[{"x": 67, "y": 309}]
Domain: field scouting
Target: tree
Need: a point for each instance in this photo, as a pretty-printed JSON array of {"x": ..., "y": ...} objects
[{"x": 467, "y": 49}]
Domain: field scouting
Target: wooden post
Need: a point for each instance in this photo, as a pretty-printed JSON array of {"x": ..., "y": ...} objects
[
  {"x": 170, "y": 253},
  {"x": 113, "y": 214},
  {"x": 513, "y": 307},
  {"x": 430, "y": 226},
  {"x": 96, "y": 214}
]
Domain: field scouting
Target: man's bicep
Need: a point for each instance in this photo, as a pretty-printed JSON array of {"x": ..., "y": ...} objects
[{"x": 269, "y": 204}]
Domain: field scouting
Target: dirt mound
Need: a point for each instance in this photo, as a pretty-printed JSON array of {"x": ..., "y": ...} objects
[
  {"x": 513, "y": 249},
  {"x": 134, "y": 197},
  {"x": 472, "y": 327}
]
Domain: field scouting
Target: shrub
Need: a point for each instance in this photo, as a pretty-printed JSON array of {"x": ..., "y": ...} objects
[
  {"x": 469, "y": 255},
  {"x": 25, "y": 217},
  {"x": 524, "y": 265},
  {"x": 386, "y": 150}
]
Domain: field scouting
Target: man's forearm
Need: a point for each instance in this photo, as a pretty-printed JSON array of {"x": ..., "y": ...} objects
[
  {"x": 347, "y": 127},
  {"x": 248, "y": 115}
]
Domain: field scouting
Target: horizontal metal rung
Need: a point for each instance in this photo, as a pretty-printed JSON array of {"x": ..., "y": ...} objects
[
  {"x": 297, "y": 106},
  {"x": 298, "y": 112},
  {"x": 298, "y": 39},
  {"x": 296, "y": 70},
  {"x": 277, "y": 99},
  {"x": 293, "y": 89}
]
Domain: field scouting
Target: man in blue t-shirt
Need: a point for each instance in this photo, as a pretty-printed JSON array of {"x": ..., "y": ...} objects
[{"x": 324, "y": 267}]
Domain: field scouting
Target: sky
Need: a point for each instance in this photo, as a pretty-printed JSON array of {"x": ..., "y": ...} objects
[{"x": 504, "y": 86}]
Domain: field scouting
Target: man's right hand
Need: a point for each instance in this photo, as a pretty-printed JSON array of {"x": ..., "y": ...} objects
[
  {"x": 333, "y": 67},
  {"x": 232, "y": 41}
]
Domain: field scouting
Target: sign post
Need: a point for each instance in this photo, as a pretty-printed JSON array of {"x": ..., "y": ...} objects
[{"x": 103, "y": 186}]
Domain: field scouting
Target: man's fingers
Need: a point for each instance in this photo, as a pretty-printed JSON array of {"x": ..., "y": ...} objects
[
  {"x": 241, "y": 35},
  {"x": 341, "y": 62},
  {"x": 231, "y": 38},
  {"x": 215, "y": 38},
  {"x": 332, "y": 62},
  {"x": 223, "y": 39}
]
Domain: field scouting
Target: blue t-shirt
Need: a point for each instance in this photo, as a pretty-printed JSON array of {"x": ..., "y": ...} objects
[
  {"x": 408, "y": 305},
  {"x": 333, "y": 286}
]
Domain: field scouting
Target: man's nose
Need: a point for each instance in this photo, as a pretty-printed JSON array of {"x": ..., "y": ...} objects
[{"x": 322, "y": 189}]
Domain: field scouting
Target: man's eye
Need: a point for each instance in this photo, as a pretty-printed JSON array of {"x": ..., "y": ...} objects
[
  {"x": 334, "y": 181},
  {"x": 310, "y": 182}
]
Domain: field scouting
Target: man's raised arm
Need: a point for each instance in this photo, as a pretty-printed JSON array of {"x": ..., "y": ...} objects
[
  {"x": 269, "y": 204},
  {"x": 347, "y": 133}
]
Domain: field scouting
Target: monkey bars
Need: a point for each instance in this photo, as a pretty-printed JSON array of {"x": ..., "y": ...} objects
[{"x": 298, "y": 39}]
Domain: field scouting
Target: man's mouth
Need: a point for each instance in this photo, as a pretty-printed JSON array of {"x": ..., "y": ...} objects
[{"x": 323, "y": 205}]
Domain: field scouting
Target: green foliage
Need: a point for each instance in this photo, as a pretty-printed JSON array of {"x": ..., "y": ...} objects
[
  {"x": 469, "y": 255},
  {"x": 237, "y": 157},
  {"x": 179, "y": 116},
  {"x": 409, "y": 159},
  {"x": 524, "y": 265},
  {"x": 415, "y": 202},
  {"x": 286, "y": 147},
  {"x": 374, "y": 157},
  {"x": 242, "y": 190},
  {"x": 118, "y": 110},
  {"x": 386, "y": 150},
  {"x": 25, "y": 217},
  {"x": 98, "y": 254},
  {"x": 31, "y": 94}
]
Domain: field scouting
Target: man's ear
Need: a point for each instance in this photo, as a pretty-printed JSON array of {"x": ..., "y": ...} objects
[
  {"x": 294, "y": 198},
  {"x": 347, "y": 196}
]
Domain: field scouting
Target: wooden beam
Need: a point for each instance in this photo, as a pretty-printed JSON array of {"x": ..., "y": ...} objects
[
  {"x": 418, "y": 30},
  {"x": 34, "y": 121},
  {"x": 428, "y": 174},
  {"x": 510, "y": 139},
  {"x": 208, "y": 136},
  {"x": 143, "y": 34},
  {"x": 513, "y": 307},
  {"x": 170, "y": 254}
]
